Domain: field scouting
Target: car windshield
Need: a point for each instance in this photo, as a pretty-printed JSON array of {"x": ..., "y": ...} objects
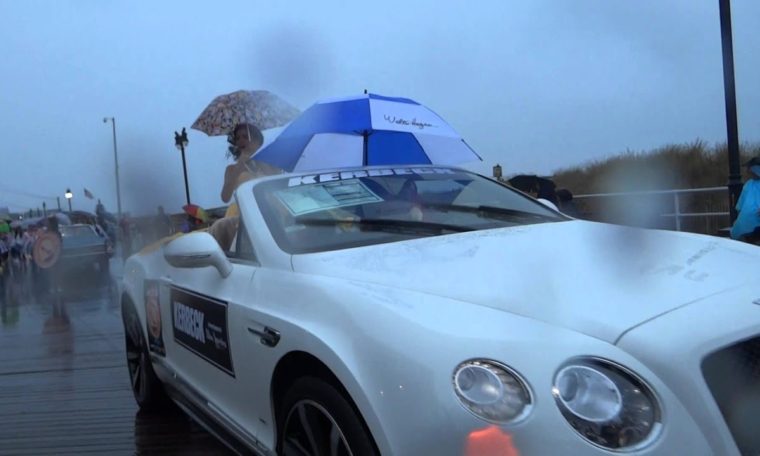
[
  {"x": 338, "y": 210},
  {"x": 77, "y": 231}
]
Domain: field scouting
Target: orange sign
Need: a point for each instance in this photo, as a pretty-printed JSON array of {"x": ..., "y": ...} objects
[
  {"x": 490, "y": 441},
  {"x": 47, "y": 249}
]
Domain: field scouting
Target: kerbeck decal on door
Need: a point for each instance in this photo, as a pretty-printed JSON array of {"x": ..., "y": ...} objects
[
  {"x": 200, "y": 325},
  {"x": 153, "y": 318}
]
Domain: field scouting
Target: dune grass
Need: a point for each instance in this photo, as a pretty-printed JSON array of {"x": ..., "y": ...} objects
[
  {"x": 675, "y": 166},
  {"x": 692, "y": 165}
]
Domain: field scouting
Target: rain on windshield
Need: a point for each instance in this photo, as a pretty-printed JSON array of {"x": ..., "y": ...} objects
[{"x": 352, "y": 208}]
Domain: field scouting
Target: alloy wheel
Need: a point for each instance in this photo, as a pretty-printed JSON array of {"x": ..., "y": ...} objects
[{"x": 310, "y": 430}]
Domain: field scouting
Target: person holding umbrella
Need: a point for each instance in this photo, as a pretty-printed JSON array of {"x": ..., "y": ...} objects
[
  {"x": 241, "y": 115},
  {"x": 245, "y": 140}
]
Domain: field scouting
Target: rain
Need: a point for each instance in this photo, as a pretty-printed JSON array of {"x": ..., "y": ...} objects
[{"x": 371, "y": 302}]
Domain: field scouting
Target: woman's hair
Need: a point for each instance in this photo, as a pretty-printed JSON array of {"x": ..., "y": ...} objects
[{"x": 254, "y": 134}]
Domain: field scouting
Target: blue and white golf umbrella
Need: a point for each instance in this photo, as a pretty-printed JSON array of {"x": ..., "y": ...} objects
[{"x": 366, "y": 130}]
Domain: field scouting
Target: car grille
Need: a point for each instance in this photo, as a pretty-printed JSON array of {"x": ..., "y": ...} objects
[{"x": 733, "y": 376}]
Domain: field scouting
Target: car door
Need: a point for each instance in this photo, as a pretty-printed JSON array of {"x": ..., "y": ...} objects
[
  {"x": 258, "y": 332},
  {"x": 215, "y": 338},
  {"x": 196, "y": 314}
]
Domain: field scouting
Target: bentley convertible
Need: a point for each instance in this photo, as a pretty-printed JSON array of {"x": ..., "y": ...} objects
[{"x": 433, "y": 311}]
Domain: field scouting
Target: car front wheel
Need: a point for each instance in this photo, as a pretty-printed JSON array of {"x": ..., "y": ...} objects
[
  {"x": 147, "y": 388},
  {"x": 318, "y": 420}
]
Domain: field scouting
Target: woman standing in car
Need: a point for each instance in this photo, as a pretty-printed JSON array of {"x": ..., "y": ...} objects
[{"x": 245, "y": 140}]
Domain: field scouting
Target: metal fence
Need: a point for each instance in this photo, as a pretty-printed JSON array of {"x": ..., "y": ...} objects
[{"x": 696, "y": 210}]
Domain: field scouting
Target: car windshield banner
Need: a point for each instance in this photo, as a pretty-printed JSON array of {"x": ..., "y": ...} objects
[
  {"x": 200, "y": 325},
  {"x": 330, "y": 195}
]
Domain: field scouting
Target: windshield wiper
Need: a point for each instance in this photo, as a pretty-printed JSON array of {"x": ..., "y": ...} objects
[
  {"x": 390, "y": 225},
  {"x": 495, "y": 212}
]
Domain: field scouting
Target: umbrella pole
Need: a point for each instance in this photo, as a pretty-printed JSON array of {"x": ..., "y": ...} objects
[{"x": 365, "y": 134}]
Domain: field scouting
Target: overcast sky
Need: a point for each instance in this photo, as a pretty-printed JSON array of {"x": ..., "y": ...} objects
[{"x": 534, "y": 85}]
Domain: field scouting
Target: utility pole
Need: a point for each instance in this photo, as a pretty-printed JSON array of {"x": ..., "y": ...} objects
[
  {"x": 116, "y": 163},
  {"x": 732, "y": 124}
]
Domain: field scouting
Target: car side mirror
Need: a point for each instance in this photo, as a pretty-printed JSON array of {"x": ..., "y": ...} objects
[
  {"x": 548, "y": 204},
  {"x": 197, "y": 250}
]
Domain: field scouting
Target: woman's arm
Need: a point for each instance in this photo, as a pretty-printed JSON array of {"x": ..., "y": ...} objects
[
  {"x": 230, "y": 180},
  {"x": 234, "y": 175}
]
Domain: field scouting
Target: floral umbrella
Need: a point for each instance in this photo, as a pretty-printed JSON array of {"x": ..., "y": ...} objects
[{"x": 258, "y": 107}]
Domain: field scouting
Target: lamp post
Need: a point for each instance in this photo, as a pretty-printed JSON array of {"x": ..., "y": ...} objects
[
  {"x": 180, "y": 142},
  {"x": 68, "y": 196},
  {"x": 116, "y": 163},
  {"x": 732, "y": 125},
  {"x": 497, "y": 172}
]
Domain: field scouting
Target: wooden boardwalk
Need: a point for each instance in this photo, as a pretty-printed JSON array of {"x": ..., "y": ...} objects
[{"x": 64, "y": 386}]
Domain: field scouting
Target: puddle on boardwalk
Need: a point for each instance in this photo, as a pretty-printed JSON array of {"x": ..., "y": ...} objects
[{"x": 64, "y": 386}]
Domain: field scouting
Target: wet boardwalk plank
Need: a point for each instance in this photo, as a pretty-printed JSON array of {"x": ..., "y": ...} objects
[{"x": 64, "y": 386}]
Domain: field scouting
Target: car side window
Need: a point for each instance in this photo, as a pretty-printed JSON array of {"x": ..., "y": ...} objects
[{"x": 243, "y": 244}]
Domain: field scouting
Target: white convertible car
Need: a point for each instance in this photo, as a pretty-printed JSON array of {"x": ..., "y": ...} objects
[{"x": 433, "y": 311}]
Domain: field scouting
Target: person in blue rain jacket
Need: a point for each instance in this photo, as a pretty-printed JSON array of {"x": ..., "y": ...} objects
[{"x": 747, "y": 224}]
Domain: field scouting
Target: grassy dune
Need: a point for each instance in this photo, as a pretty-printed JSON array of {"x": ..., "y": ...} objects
[
  {"x": 673, "y": 166},
  {"x": 677, "y": 166}
]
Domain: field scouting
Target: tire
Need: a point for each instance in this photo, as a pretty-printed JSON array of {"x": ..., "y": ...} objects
[
  {"x": 146, "y": 387},
  {"x": 312, "y": 403}
]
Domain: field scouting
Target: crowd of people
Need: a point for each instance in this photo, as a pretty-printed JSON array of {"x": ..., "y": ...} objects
[
  {"x": 17, "y": 247},
  {"x": 17, "y": 255},
  {"x": 16, "y": 250}
]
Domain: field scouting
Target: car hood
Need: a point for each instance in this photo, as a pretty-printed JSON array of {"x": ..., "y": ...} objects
[{"x": 597, "y": 279}]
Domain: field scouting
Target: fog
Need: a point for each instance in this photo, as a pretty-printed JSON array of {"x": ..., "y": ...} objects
[{"x": 534, "y": 86}]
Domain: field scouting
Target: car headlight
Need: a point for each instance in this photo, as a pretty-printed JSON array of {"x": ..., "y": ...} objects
[
  {"x": 607, "y": 404},
  {"x": 492, "y": 391}
]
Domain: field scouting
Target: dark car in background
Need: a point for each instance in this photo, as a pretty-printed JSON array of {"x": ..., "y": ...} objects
[{"x": 84, "y": 250}]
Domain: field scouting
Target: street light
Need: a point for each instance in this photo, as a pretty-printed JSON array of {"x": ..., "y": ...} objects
[
  {"x": 180, "y": 142},
  {"x": 116, "y": 163},
  {"x": 68, "y": 196},
  {"x": 497, "y": 172}
]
